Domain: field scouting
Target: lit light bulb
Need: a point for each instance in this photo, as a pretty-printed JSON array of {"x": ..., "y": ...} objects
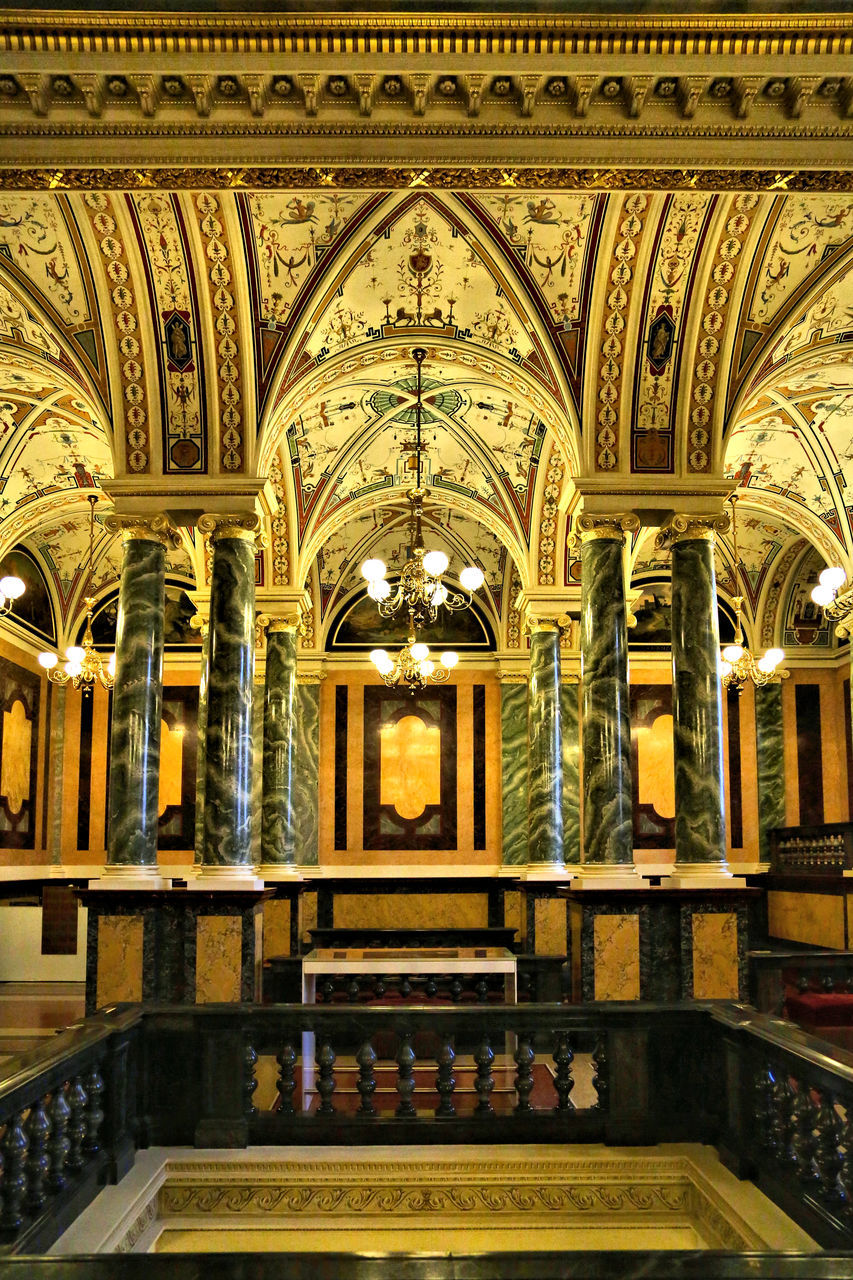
[
  {"x": 766, "y": 665},
  {"x": 426, "y": 668},
  {"x": 823, "y": 596},
  {"x": 774, "y": 656},
  {"x": 420, "y": 651},
  {"x": 74, "y": 653},
  {"x": 725, "y": 669},
  {"x": 833, "y": 577},
  {"x": 73, "y": 668},
  {"x": 378, "y": 656},
  {"x": 12, "y": 587},
  {"x": 732, "y": 653},
  {"x": 439, "y": 595},
  {"x": 111, "y": 665},
  {"x": 472, "y": 578},
  {"x": 373, "y": 569},
  {"x": 379, "y": 589},
  {"x": 435, "y": 563},
  {"x": 449, "y": 659},
  {"x": 48, "y": 660}
]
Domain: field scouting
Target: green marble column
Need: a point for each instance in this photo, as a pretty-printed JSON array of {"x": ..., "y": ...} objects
[
  {"x": 770, "y": 751},
  {"x": 307, "y": 772},
  {"x": 278, "y": 832},
  {"x": 201, "y": 740},
  {"x": 544, "y": 752},
  {"x": 607, "y": 818},
  {"x": 697, "y": 700},
  {"x": 137, "y": 697},
  {"x": 514, "y": 770},
  {"x": 228, "y": 773},
  {"x": 570, "y": 734}
]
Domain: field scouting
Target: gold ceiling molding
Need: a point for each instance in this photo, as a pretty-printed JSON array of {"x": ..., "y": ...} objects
[
  {"x": 439, "y": 177},
  {"x": 30, "y": 32}
]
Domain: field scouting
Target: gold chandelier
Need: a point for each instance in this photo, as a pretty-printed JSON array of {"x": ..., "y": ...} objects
[
  {"x": 420, "y": 590},
  {"x": 738, "y": 666},
  {"x": 83, "y": 666},
  {"x": 413, "y": 668}
]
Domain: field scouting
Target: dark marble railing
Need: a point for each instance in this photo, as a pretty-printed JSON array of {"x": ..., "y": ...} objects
[
  {"x": 777, "y": 1103},
  {"x": 773, "y": 974},
  {"x": 817, "y": 851}
]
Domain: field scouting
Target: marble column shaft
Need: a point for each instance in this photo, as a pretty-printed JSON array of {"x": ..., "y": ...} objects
[
  {"x": 770, "y": 752},
  {"x": 570, "y": 735},
  {"x": 544, "y": 753},
  {"x": 606, "y": 718},
  {"x": 700, "y": 827},
  {"x": 278, "y": 834},
  {"x": 514, "y": 771},
  {"x": 307, "y": 774},
  {"x": 228, "y": 772},
  {"x": 137, "y": 706},
  {"x": 201, "y": 747}
]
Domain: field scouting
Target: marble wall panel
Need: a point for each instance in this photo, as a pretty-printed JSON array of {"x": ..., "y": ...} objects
[
  {"x": 119, "y": 960},
  {"x": 575, "y": 949},
  {"x": 219, "y": 958},
  {"x": 515, "y": 914},
  {"x": 715, "y": 955},
  {"x": 411, "y": 910},
  {"x": 815, "y": 918},
  {"x": 550, "y": 927},
  {"x": 616, "y": 956},
  {"x": 307, "y": 914},
  {"x": 276, "y": 917}
]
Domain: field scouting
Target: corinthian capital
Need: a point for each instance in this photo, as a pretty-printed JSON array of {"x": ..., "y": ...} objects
[
  {"x": 613, "y": 526},
  {"x": 686, "y": 528},
  {"x": 157, "y": 528}
]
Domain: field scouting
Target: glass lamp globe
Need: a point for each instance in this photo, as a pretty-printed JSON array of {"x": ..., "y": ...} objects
[
  {"x": 435, "y": 563},
  {"x": 439, "y": 595},
  {"x": 379, "y": 589},
  {"x": 774, "y": 657},
  {"x": 472, "y": 578},
  {"x": 426, "y": 668},
  {"x": 823, "y": 595},
  {"x": 74, "y": 653},
  {"x": 47, "y": 660},
  {"x": 833, "y": 577},
  {"x": 449, "y": 659},
  {"x": 420, "y": 651},
  {"x": 373, "y": 569},
  {"x": 732, "y": 653},
  {"x": 725, "y": 669},
  {"x": 12, "y": 587}
]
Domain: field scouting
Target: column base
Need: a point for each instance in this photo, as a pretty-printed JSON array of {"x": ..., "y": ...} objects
[
  {"x": 544, "y": 871},
  {"x": 123, "y": 877},
  {"x": 702, "y": 875},
  {"x": 278, "y": 871},
  {"x": 606, "y": 875},
  {"x": 227, "y": 878}
]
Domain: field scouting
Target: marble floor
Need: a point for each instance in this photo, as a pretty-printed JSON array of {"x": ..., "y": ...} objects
[{"x": 31, "y": 1012}]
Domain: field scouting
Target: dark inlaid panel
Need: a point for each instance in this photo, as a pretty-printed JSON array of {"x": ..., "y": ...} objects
[
  {"x": 735, "y": 789},
  {"x": 341, "y": 729},
  {"x": 479, "y": 766},
  {"x": 19, "y": 718},
  {"x": 809, "y": 754}
]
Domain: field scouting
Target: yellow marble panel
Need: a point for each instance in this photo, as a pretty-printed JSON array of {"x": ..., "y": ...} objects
[
  {"x": 512, "y": 913},
  {"x": 550, "y": 920},
  {"x": 410, "y": 766},
  {"x": 656, "y": 766},
  {"x": 276, "y": 927},
  {"x": 616, "y": 952},
  {"x": 815, "y": 918},
  {"x": 575, "y": 927},
  {"x": 411, "y": 910},
  {"x": 715, "y": 967},
  {"x": 15, "y": 766},
  {"x": 218, "y": 958},
  {"x": 171, "y": 766},
  {"x": 307, "y": 914},
  {"x": 119, "y": 974}
]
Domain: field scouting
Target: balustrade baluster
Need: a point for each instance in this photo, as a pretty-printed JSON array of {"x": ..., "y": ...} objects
[
  {"x": 405, "y": 986},
  {"x": 445, "y": 1081},
  {"x": 287, "y": 1059},
  {"x": 828, "y": 1157},
  {"x": 59, "y": 1144},
  {"x": 485, "y": 1080},
  {"x": 846, "y": 1175},
  {"x": 765, "y": 1084},
  {"x": 601, "y": 1073},
  {"x": 563, "y": 1079},
  {"x": 250, "y": 1082},
  {"x": 366, "y": 1083},
  {"x": 804, "y": 1139},
  {"x": 94, "y": 1115},
  {"x": 781, "y": 1122},
  {"x": 524, "y": 1059},
  {"x": 482, "y": 989},
  {"x": 38, "y": 1164},
  {"x": 406, "y": 1076},
  {"x": 327, "y": 990},
  {"x": 77, "y": 1099},
  {"x": 325, "y": 1059},
  {"x": 456, "y": 988},
  {"x": 14, "y": 1150},
  {"x": 379, "y": 987},
  {"x": 430, "y": 987}
]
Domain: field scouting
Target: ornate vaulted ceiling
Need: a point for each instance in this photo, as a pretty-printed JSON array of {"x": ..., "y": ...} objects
[{"x": 640, "y": 332}]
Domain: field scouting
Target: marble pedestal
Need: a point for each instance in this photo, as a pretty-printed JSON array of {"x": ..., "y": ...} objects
[
  {"x": 180, "y": 946},
  {"x": 659, "y": 944}
]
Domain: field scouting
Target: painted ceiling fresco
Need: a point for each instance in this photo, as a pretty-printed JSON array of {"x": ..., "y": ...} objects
[{"x": 245, "y": 330}]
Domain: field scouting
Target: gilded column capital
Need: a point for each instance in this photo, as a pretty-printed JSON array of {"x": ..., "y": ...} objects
[
  {"x": 245, "y": 528},
  {"x": 686, "y": 528},
  {"x": 561, "y": 624},
  {"x": 289, "y": 622},
  {"x": 613, "y": 527},
  {"x": 156, "y": 528}
]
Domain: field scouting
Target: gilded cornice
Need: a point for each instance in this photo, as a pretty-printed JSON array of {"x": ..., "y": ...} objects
[{"x": 397, "y": 177}]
